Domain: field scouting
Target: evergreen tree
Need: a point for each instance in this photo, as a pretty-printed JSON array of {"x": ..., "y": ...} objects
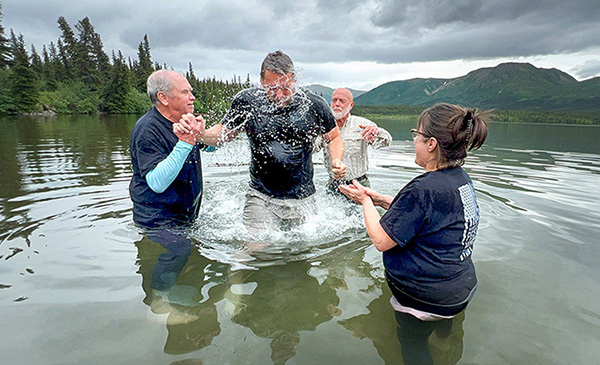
[
  {"x": 48, "y": 79},
  {"x": 192, "y": 79},
  {"x": 117, "y": 88},
  {"x": 144, "y": 66},
  {"x": 36, "y": 62},
  {"x": 87, "y": 54},
  {"x": 69, "y": 50},
  {"x": 4, "y": 45},
  {"x": 64, "y": 69},
  {"x": 23, "y": 79},
  {"x": 101, "y": 59}
]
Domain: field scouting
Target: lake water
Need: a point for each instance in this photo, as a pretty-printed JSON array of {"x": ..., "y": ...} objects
[{"x": 75, "y": 273}]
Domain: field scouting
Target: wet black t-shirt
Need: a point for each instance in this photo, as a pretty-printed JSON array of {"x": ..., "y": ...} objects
[
  {"x": 434, "y": 221},
  {"x": 152, "y": 140},
  {"x": 280, "y": 139}
]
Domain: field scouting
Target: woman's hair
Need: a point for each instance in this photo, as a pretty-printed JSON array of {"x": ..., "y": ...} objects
[{"x": 456, "y": 129}]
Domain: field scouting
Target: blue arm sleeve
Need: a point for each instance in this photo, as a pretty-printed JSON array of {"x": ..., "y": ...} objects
[{"x": 167, "y": 170}]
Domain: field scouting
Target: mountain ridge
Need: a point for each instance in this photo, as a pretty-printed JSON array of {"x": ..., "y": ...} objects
[{"x": 512, "y": 85}]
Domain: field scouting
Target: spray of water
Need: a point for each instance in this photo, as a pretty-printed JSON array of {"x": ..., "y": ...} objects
[{"x": 222, "y": 236}]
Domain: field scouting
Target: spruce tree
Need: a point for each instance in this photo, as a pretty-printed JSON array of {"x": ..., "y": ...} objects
[
  {"x": 101, "y": 59},
  {"x": 36, "y": 62},
  {"x": 117, "y": 88},
  {"x": 4, "y": 45},
  {"x": 69, "y": 50},
  {"x": 144, "y": 65},
  {"x": 85, "y": 58},
  {"x": 57, "y": 67},
  {"x": 24, "y": 81},
  {"x": 48, "y": 80},
  {"x": 64, "y": 69}
]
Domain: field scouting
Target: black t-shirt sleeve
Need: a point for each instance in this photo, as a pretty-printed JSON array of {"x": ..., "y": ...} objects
[
  {"x": 238, "y": 112},
  {"x": 150, "y": 152},
  {"x": 405, "y": 217},
  {"x": 324, "y": 114}
]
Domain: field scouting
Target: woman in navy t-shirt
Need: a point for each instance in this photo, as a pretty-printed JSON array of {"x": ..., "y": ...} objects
[{"x": 428, "y": 231}]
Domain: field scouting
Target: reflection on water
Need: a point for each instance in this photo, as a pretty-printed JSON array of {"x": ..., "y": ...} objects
[{"x": 76, "y": 274}]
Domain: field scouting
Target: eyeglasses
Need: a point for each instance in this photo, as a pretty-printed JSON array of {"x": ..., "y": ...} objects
[
  {"x": 415, "y": 133},
  {"x": 285, "y": 89}
]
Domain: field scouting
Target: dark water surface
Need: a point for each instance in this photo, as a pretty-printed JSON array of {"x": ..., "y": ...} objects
[{"x": 75, "y": 274}]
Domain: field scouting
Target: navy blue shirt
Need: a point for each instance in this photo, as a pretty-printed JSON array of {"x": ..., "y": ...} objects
[
  {"x": 434, "y": 220},
  {"x": 280, "y": 139},
  {"x": 152, "y": 140}
]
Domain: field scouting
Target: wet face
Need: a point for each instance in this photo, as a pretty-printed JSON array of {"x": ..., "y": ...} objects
[
  {"x": 341, "y": 103},
  {"x": 280, "y": 88},
  {"x": 180, "y": 100}
]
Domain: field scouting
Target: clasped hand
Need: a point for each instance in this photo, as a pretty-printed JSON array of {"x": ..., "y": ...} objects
[
  {"x": 338, "y": 168},
  {"x": 190, "y": 129}
]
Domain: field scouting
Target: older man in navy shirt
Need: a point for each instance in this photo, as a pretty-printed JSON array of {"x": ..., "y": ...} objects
[{"x": 166, "y": 187}]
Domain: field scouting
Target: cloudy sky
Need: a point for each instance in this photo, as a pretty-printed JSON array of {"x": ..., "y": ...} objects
[{"x": 353, "y": 43}]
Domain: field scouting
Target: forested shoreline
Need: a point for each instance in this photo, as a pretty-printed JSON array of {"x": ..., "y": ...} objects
[
  {"x": 505, "y": 116},
  {"x": 74, "y": 75}
]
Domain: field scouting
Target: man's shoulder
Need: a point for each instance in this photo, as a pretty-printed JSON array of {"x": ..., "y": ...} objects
[
  {"x": 152, "y": 122},
  {"x": 247, "y": 94},
  {"x": 317, "y": 99},
  {"x": 361, "y": 120},
  {"x": 150, "y": 117}
]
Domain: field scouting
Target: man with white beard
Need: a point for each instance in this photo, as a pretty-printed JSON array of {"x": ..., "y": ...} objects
[{"x": 357, "y": 133}]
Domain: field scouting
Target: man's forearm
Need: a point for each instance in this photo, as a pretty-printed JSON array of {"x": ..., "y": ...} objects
[
  {"x": 212, "y": 136},
  {"x": 165, "y": 172},
  {"x": 336, "y": 148}
]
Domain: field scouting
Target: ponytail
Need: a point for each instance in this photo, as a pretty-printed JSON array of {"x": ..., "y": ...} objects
[{"x": 456, "y": 129}]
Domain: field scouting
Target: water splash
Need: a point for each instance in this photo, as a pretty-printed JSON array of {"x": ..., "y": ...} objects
[{"x": 222, "y": 236}]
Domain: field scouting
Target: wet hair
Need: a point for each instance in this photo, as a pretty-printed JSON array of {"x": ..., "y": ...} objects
[
  {"x": 456, "y": 129},
  {"x": 279, "y": 63},
  {"x": 160, "y": 80}
]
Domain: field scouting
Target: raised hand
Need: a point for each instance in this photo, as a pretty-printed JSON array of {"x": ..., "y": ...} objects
[
  {"x": 369, "y": 133},
  {"x": 355, "y": 192}
]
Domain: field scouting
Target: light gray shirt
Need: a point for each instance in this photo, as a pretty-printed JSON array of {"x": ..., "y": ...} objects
[{"x": 355, "y": 147}]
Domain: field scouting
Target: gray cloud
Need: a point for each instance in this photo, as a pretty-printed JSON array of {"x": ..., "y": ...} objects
[
  {"x": 587, "y": 70},
  {"x": 238, "y": 32}
]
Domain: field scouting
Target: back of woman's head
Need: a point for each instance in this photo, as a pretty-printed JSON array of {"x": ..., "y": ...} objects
[{"x": 456, "y": 129}]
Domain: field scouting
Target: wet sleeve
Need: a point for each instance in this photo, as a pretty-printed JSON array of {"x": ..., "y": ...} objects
[
  {"x": 384, "y": 138},
  {"x": 324, "y": 115},
  {"x": 405, "y": 218},
  {"x": 167, "y": 170},
  {"x": 237, "y": 114}
]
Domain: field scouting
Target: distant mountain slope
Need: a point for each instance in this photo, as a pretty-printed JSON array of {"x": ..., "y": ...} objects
[
  {"x": 506, "y": 86},
  {"x": 326, "y": 92}
]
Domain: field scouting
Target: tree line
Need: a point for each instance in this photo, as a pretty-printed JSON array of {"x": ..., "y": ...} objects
[
  {"x": 504, "y": 116},
  {"x": 75, "y": 75}
]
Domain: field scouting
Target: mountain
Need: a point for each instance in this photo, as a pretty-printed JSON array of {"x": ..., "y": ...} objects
[
  {"x": 326, "y": 92},
  {"x": 519, "y": 86}
]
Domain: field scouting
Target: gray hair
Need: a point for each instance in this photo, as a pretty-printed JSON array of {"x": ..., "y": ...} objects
[
  {"x": 160, "y": 80},
  {"x": 279, "y": 63}
]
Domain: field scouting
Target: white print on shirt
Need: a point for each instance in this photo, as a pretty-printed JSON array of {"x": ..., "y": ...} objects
[{"x": 471, "y": 216}]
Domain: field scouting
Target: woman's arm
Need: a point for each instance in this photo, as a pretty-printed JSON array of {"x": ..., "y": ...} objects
[
  {"x": 380, "y": 238},
  {"x": 359, "y": 194}
]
